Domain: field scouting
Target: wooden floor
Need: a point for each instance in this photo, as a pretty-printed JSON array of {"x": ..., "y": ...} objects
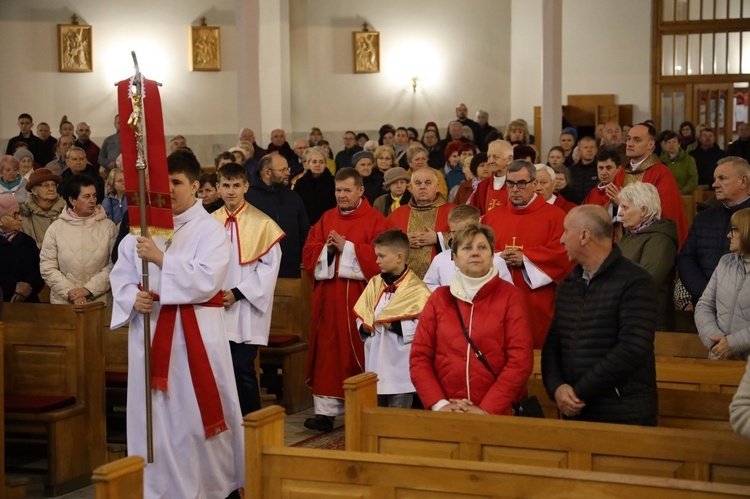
[{"x": 294, "y": 432}]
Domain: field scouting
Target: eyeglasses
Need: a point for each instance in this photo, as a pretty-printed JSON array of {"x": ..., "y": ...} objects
[
  {"x": 14, "y": 216},
  {"x": 282, "y": 170},
  {"x": 734, "y": 230},
  {"x": 521, "y": 184},
  {"x": 48, "y": 185}
]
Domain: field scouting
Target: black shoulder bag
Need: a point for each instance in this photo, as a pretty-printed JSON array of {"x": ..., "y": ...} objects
[{"x": 530, "y": 407}]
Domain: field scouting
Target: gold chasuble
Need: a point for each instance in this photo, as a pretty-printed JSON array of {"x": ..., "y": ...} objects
[
  {"x": 413, "y": 218},
  {"x": 255, "y": 232},
  {"x": 407, "y": 302}
]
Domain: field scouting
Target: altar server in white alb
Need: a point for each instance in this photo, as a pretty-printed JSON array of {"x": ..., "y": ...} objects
[
  {"x": 442, "y": 269},
  {"x": 197, "y": 425},
  {"x": 387, "y": 316},
  {"x": 251, "y": 280}
]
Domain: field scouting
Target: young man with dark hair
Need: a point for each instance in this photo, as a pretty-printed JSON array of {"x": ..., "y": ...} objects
[
  {"x": 197, "y": 424},
  {"x": 251, "y": 280},
  {"x": 25, "y": 124}
]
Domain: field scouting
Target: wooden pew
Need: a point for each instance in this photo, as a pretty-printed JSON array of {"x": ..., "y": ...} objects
[
  {"x": 284, "y": 360},
  {"x": 678, "y": 380},
  {"x": 122, "y": 479},
  {"x": 666, "y": 452},
  {"x": 274, "y": 471},
  {"x": 53, "y": 352},
  {"x": 686, "y": 345}
]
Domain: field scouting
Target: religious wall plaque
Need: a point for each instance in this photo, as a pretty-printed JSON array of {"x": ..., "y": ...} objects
[
  {"x": 366, "y": 45},
  {"x": 74, "y": 48},
  {"x": 205, "y": 47}
]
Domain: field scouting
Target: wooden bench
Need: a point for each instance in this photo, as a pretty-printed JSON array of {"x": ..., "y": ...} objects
[
  {"x": 54, "y": 353},
  {"x": 273, "y": 471},
  {"x": 685, "y": 345},
  {"x": 666, "y": 452},
  {"x": 284, "y": 361},
  {"x": 693, "y": 393},
  {"x": 122, "y": 479}
]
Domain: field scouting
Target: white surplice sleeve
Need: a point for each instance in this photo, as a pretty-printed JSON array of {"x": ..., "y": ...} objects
[
  {"x": 349, "y": 266},
  {"x": 533, "y": 275},
  {"x": 124, "y": 278},
  {"x": 324, "y": 271},
  {"x": 258, "y": 287}
]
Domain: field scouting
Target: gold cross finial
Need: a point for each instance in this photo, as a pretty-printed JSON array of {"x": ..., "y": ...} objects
[
  {"x": 74, "y": 19},
  {"x": 365, "y": 26},
  {"x": 203, "y": 21}
]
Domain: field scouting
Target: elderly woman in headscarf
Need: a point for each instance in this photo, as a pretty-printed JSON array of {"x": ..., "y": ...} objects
[
  {"x": 11, "y": 181},
  {"x": 25, "y": 162},
  {"x": 651, "y": 242},
  {"x": 75, "y": 258},
  {"x": 20, "y": 279},
  {"x": 43, "y": 205},
  {"x": 372, "y": 178}
]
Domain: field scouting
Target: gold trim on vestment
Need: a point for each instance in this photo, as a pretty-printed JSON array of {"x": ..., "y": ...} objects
[
  {"x": 153, "y": 231},
  {"x": 632, "y": 177},
  {"x": 255, "y": 232},
  {"x": 407, "y": 302},
  {"x": 421, "y": 219}
]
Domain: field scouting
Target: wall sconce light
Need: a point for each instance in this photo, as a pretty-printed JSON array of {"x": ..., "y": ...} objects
[{"x": 414, "y": 81}]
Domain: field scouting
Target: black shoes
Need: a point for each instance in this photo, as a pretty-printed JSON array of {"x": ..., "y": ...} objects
[{"x": 320, "y": 423}]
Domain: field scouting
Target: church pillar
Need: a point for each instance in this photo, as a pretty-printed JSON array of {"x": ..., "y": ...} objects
[
  {"x": 551, "y": 75},
  {"x": 263, "y": 66}
]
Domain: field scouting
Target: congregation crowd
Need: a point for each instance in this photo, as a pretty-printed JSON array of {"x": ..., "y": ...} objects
[{"x": 440, "y": 260}]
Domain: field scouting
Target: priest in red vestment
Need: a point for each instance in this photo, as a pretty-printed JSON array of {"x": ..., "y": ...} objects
[
  {"x": 340, "y": 258},
  {"x": 645, "y": 166},
  {"x": 527, "y": 235},
  {"x": 491, "y": 192},
  {"x": 424, "y": 219}
]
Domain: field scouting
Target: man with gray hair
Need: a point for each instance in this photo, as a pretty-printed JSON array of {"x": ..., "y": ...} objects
[
  {"x": 248, "y": 135},
  {"x": 706, "y": 242},
  {"x": 491, "y": 192},
  {"x": 527, "y": 235},
  {"x": 484, "y": 129},
  {"x": 598, "y": 359}
]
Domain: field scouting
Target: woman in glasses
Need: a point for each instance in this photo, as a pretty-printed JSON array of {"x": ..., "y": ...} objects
[
  {"x": 20, "y": 279},
  {"x": 43, "y": 205},
  {"x": 721, "y": 314}
]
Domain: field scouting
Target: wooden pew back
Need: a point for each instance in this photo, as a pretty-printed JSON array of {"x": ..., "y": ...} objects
[
  {"x": 292, "y": 299},
  {"x": 57, "y": 350},
  {"x": 121, "y": 479},
  {"x": 275, "y": 471},
  {"x": 688, "y": 345},
  {"x": 664, "y": 452}
]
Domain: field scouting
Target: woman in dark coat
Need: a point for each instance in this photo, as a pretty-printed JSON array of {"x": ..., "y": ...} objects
[
  {"x": 20, "y": 279},
  {"x": 315, "y": 185}
]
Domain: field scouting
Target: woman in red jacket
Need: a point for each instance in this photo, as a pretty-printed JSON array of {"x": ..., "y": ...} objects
[{"x": 472, "y": 351}]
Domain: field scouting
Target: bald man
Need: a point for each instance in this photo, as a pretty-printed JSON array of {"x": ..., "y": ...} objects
[
  {"x": 248, "y": 135},
  {"x": 424, "y": 219},
  {"x": 598, "y": 359},
  {"x": 83, "y": 130},
  {"x": 279, "y": 144}
]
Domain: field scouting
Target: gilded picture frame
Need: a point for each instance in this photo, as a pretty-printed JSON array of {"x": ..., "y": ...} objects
[
  {"x": 205, "y": 48},
  {"x": 366, "y": 48},
  {"x": 75, "y": 48}
]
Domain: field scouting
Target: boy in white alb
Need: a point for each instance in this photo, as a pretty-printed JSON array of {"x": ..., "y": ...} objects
[
  {"x": 442, "y": 269},
  {"x": 387, "y": 315},
  {"x": 251, "y": 280}
]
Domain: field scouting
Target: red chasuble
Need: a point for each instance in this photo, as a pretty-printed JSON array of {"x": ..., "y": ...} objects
[
  {"x": 537, "y": 228},
  {"x": 336, "y": 350},
  {"x": 564, "y": 204},
  {"x": 410, "y": 218},
  {"x": 597, "y": 196},
  {"x": 656, "y": 173},
  {"x": 486, "y": 197}
]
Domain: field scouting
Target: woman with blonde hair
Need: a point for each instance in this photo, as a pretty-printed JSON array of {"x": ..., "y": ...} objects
[
  {"x": 115, "y": 204},
  {"x": 721, "y": 313},
  {"x": 385, "y": 158}
]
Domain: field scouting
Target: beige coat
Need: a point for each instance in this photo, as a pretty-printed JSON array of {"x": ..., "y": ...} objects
[
  {"x": 77, "y": 253},
  {"x": 36, "y": 221}
]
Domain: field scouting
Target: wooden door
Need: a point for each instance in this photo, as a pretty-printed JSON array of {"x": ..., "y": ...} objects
[{"x": 713, "y": 106}]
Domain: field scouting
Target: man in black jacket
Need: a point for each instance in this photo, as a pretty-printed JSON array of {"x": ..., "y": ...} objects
[
  {"x": 707, "y": 240},
  {"x": 269, "y": 192},
  {"x": 598, "y": 359}
]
